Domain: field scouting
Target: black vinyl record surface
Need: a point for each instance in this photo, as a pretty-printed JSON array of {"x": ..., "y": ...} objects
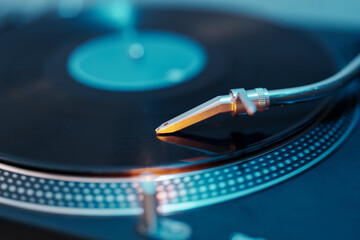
[{"x": 50, "y": 121}]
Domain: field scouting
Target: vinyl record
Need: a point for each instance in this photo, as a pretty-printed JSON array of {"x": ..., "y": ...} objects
[{"x": 54, "y": 122}]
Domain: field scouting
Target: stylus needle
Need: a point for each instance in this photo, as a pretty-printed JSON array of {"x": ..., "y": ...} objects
[
  {"x": 238, "y": 102},
  {"x": 219, "y": 104}
]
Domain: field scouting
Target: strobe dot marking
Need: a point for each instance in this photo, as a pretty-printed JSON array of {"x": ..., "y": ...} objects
[{"x": 195, "y": 189}]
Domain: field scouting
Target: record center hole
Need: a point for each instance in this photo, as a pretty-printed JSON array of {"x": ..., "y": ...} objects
[
  {"x": 154, "y": 60},
  {"x": 136, "y": 51}
]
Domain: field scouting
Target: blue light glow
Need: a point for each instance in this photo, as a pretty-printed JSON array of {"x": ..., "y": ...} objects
[
  {"x": 156, "y": 60},
  {"x": 118, "y": 13}
]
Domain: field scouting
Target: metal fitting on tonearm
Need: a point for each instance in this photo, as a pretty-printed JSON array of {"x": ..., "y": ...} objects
[{"x": 248, "y": 102}]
